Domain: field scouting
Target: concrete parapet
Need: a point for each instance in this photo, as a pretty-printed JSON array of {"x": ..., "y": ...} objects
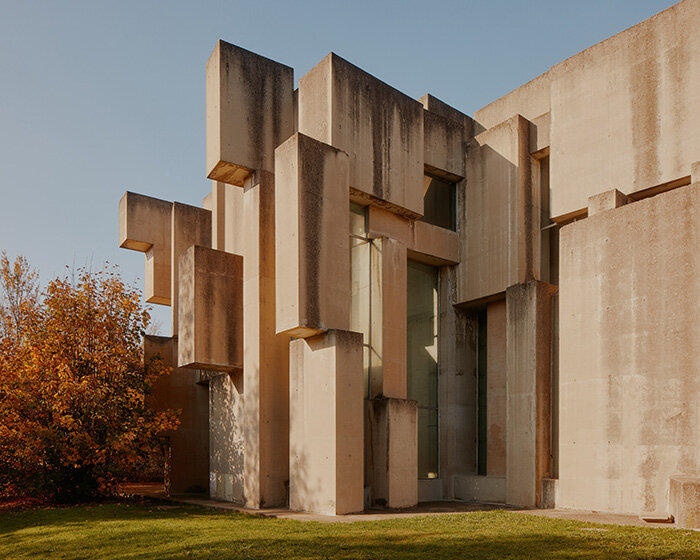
[
  {"x": 432, "y": 244},
  {"x": 189, "y": 444},
  {"x": 144, "y": 225},
  {"x": 684, "y": 501},
  {"x": 380, "y": 128},
  {"x": 210, "y": 310},
  {"x": 528, "y": 391},
  {"x": 312, "y": 272},
  {"x": 326, "y": 423},
  {"x": 607, "y": 200},
  {"x": 391, "y": 452},
  {"x": 249, "y": 112}
]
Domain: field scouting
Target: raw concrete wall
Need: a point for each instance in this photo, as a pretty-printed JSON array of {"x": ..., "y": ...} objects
[
  {"x": 630, "y": 353},
  {"x": 144, "y": 225},
  {"x": 496, "y": 389},
  {"x": 630, "y": 104},
  {"x": 226, "y": 437},
  {"x": 528, "y": 391},
  {"x": 391, "y": 452},
  {"x": 210, "y": 310},
  {"x": 249, "y": 112},
  {"x": 380, "y": 128},
  {"x": 326, "y": 431},
  {"x": 499, "y": 217},
  {"x": 311, "y": 237},
  {"x": 189, "y": 444}
]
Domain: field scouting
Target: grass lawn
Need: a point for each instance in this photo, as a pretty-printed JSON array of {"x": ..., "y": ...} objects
[{"x": 134, "y": 530}]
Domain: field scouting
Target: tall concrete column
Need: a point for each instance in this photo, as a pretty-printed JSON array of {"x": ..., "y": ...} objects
[
  {"x": 528, "y": 390},
  {"x": 265, "y": 354}
]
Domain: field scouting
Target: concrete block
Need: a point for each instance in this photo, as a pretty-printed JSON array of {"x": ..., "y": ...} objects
[
  {"x": 445, "y": 140},
  {"x": 190, "y": 225},
  {"x": 388, "y": 320},
  {"x": 189, "y": 444},
  {"x": 432, "y": 244},
  {"x": 607, "y": 200},
  {"x": 384, "y": 223},
  {"x": 499, "y": 215},
  {"x": 550, "y": 491},
  {"x": 528, "y": 391},
  {"x": 249, "y": 112},
  {"x": 695, "y": 172},
  {"x": 210, "y": 310},
  {"x": 379, "y": 128},
  {"x": 326, "y": 424},
  {"x": 474, "y": 488},
  {"x": 144, "y": 225},
  {"x": 391, "y": 452},
  {"x": 226, "y": 445},
  {"x": 312, "y": 222},
  {"x": 539, "y": 135},
  {"x": 684, "y": 501}
]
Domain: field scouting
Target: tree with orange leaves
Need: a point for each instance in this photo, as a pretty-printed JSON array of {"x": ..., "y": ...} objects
[{"x": 73, "y": 418}]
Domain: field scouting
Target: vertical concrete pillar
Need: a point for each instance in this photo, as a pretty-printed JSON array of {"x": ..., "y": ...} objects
[
  {"x": 265, "y": 354},
  {"x": 528, "y": 390},
  {"x": 389, "y": 285},
  {"x": 218, "y": 215},
  {"x": 190, "y": 225},
  {"x": 326, "y": 439},
  {"x": 189, "y": 444},
  {"x": 391, "y": 452}
]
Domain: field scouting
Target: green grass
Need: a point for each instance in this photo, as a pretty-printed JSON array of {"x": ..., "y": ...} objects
[{"x": 151, "y": 531}]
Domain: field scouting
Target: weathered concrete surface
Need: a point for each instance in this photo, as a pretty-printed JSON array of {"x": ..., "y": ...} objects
[
  {"x": 456, "y": 387},
  {"x": 265, "y": 353},
  {"x": 391, "y": 452},
  {"x": 190, "y": 225},
  {"x": 210, "y": 310},
  {"x": 500, "y": 215},
  {"x": 432, "y": 244},
  {"x": 144, "y": 225},
  {"x": 528, "y": 391},
  {"x": 388, "y": 319},
  {"x": 312, "y": 272},
  {"x": 249, "y": 112},
  {"x": 445, "y": 132},
  {"x": 226, "y": 437},
  {"x": 189, "y": 444},
  {"x": 488, "y": 489},
  {"x": 631, "y": 104},
  {"x": 326, "y": 423},
  {"x": 608, "y": 200},
  {"x": 380, "y": 128},
  {"x": 496, "y": 417},
  {"x": 629, "y": 353},
  {"x": 684, "y": 501}
]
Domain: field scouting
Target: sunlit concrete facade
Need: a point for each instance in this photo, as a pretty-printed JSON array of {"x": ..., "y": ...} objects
[{"x": 389, "y": 301}]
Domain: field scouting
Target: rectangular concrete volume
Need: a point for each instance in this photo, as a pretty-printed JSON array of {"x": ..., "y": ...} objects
[
  {"x": 326, "y": 424},
  {"x": 249, "y": 112},
  {"x": 312, "y": 271},
  {"x": 211, "y": 310}
]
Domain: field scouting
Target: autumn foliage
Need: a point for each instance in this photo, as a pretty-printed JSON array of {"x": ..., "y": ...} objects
[{"x": 73, "y": 418}]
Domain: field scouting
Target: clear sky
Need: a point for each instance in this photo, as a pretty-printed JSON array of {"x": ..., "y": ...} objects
[{"x": 99, "y": 97}]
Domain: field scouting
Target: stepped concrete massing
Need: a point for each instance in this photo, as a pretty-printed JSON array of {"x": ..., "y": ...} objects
[{"x": 389, "y": 301}]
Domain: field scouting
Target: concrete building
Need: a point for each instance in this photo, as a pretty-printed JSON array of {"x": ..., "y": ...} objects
[{"x": 385, "y": 301}]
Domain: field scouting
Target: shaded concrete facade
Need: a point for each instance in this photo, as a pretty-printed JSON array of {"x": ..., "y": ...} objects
[{"x": 391, "y": 301}]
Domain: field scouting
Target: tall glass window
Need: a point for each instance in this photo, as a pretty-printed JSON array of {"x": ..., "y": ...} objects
[{"x": 423, "y": 361}]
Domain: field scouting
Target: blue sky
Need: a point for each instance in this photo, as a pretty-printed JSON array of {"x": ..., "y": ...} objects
[{"x": 100, "y": 97}]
